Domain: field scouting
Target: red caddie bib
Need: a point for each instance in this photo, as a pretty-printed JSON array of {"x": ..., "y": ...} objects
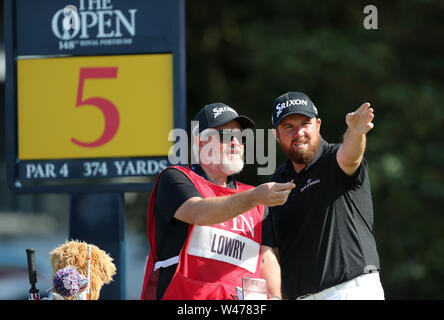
[{"x": 214, "y": 258}]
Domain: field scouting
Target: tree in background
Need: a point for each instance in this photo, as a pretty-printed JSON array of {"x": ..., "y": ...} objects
[{"x": 246, "y": 53}]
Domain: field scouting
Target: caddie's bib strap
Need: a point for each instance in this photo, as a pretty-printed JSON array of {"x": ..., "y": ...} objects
[{"x": 166, "y": 263}]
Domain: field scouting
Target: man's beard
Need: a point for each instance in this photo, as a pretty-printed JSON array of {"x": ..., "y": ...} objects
[
  {"x": 303, "y": 156},
  {"x": 232, "y": 166},
  {"x": 227, "y": 163}
]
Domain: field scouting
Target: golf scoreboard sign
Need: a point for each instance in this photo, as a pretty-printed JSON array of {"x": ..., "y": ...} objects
[{"x": 93, "y": 87}]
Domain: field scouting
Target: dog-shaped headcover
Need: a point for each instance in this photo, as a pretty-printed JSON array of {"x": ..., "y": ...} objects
[{"x": 75, "y": 253}]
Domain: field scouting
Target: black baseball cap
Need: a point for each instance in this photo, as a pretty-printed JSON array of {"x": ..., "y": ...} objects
[
  {"x": 217, "y": 114},
  {"x": 291, "y": 103}
]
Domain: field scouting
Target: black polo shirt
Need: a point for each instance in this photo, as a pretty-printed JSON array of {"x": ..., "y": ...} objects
[{"x": 324, "y": 231}]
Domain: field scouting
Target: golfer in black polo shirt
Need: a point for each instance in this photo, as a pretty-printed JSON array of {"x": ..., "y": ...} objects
[{"x": 323, "y": 235}]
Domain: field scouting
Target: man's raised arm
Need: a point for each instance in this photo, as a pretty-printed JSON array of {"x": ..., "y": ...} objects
[{"x": 351, "y": 152}]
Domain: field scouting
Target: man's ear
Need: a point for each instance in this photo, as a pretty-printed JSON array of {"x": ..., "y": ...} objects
[
  {"x": 276, "y": 135},
  {"x": 318, "y": 123}
]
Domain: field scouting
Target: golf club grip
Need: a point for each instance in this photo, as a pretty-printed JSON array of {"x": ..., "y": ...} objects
[{"x": 31, "y": 267}]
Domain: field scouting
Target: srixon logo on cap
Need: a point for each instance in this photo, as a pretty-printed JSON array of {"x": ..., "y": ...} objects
[
  {"x": 288, "y": 103},
  {"x": 218, "y": 111}
]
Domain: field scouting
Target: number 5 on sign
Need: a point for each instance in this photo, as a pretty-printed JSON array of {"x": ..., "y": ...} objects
[
  {"x": 95, "y": 107},
  {"x": 109, "y": 110}
]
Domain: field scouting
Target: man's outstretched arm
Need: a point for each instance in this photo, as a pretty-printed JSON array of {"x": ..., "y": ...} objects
[
  {"x": 213, "y": 210},
  {"x": 351, "y": 152}
]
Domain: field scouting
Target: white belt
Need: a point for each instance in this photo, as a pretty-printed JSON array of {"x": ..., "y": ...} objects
[
  {"x": 166, "y": 263},
  {"x": 353, "y": 283}
]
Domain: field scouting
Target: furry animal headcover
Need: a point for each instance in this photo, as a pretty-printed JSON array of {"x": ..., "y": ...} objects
[{"x": 75, "y": 253}]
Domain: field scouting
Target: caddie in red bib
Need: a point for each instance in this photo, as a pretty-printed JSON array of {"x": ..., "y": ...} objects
[{"x": 223, "y": 216}]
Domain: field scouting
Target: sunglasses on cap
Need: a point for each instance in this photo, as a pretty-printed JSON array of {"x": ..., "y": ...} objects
[{"x": 226, "y": 135}]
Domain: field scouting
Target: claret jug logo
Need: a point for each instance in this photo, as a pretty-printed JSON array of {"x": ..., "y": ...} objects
[{"x": 93, "y": 23}]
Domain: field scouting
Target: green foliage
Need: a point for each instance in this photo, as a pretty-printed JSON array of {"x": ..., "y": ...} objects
[{"x": 246, "y": 53}]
